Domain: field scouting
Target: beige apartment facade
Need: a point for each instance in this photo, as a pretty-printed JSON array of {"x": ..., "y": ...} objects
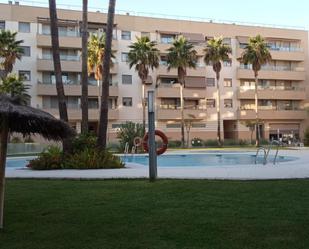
[{"x": 283, "y": 83}]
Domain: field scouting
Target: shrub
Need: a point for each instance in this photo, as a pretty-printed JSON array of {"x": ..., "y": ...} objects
[
  {"x": 16, "y": 140},
  {"x": 264, "y": 141},
  {"x": 127, "y": 133},
  {"x": 93, "y": 159},
  {"x": 28, "y": 139},
  {"x": 50, "y": 158},
  {"x": 197, "y": 142},
  {"x": 243, "y": 142},
  {"x": 230, "y": 142},
  {"x": 174, "y": 143},
  {"x": 84, "y": 141},
  {"x": 113, "y": 146},
  {"x": 306, "y": 137},
  {"x": 211, "y": 143}
]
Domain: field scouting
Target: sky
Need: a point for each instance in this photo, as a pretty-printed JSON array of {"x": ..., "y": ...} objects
[{"x": 283, "y": 12}]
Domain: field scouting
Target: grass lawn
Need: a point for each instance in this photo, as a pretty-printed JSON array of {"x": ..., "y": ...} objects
[{"x": 168, "y": 214}]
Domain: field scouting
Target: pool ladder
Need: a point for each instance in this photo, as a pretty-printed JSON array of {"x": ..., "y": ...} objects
[
  {"x": 266, "y": 152},
  {"x": 127, "y": 149}
]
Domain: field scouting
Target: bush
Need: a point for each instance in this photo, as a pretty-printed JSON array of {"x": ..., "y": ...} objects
[
  {"x": 306, "y": 137},
  {"x": 211, "y": 143},
  {"x": 127, "y": 133},
  {"x": 16, "y": 140},
  {"x": 264, "y": 141},
  {"x": 243, "y": 142},
  {"x": 28, "y": 139},
  {"x": 50, "y": 158},
  {"x": 197, "y": 142},
  {"x": 174, "y": 143},
  {"x": 93, "y": 159},
  {"x": 230, "y": 142},
  {"x": 84, "y": 141},
  {"x": 113, "y": 146}
]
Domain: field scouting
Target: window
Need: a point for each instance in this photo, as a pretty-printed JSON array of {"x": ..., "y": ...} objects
[
  {"x": 168, "y": 80},
  {"x": 24, "y": 27},
  {"x": 145, "y": 34},
  {"x": 228, "y": 103},
  {"x": 175, "y": 125},
  {"x": 198, "y": 125},
  {"x": 227, "y": 82},
  {"x": 116, "y": 126},
  {"x": 210, "y": 82},
  {"x": 126, "y": 35},
  {"x": 45, "y": 29},
  {"x": 127, "y": 79},
  {"x": 93, "y": 103},
  {"x": 167, "y": 39},
  {"x": 227, "y": 41},
  {"x": 127, "y": 101},
  {"x": 124, "y": 57},
  {"x": 227, "y": 63},
  {"x": 210, "y": 103},
  {"x": 2, "y": 25},
  {"x": 26, "y": 51},
  {"x": 25, "y": 75}
]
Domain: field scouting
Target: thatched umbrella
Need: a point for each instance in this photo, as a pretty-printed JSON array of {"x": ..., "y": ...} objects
[{"x": 15, "y": 117}]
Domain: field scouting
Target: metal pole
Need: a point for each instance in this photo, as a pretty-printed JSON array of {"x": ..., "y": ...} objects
[{"x": 151, "y": 137}]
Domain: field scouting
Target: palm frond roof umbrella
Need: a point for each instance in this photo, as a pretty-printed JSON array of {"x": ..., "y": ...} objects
[{"x": 15, "y": 117}]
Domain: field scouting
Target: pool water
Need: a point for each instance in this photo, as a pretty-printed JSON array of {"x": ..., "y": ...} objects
[{"x": 181, "y": 160}]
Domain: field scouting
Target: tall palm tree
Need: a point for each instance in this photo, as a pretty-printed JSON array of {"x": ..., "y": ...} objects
[
  {"x": 102, "y": 134},
  {"x": 63, "y": 112},
  {"x": 84, "y": 78},
  {"x": 257, "y": 54},
  {"x": 10, "y": 51},
  {"x": 181, "y": 56},
  {"x": 144, "y": 56},
  {"x": 215, "y": 53}
]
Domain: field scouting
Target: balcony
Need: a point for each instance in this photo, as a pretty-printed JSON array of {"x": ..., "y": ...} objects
[
  {"x": 273, "y": 114},
  {"x": 64, "y": 41},
  {"x": 272, "y": 93},
  {"x": 66, "y": 65},
  {"x": 281, "y": 53},
  {"x": 175, "y": 114},
  {"x": 76, "y": 114},
  {"x": 199, "y": 71},
  {"x": 171, "y": 91},
  {"x": 273, "y": 73},
  {"x": 74, "y": 90}
]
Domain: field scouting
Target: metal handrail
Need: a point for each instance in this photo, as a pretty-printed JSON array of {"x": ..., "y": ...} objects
[
  {"x": 257, "y": 152},
  {"x": 277, "y": 143}
]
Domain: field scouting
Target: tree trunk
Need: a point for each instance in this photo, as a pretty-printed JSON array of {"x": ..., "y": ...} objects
[
  {"x": 144, "y": 106},
  {"x": 63, "y": 112},
  {"x": 219, "y": 140},
  {"x": 181, "y": 79},
  {"x": 84, "y": 98},
  {"x": 3, "y": 150},
  {"x": 257, "y": 141},
  {"x": 102, "y": 136}
]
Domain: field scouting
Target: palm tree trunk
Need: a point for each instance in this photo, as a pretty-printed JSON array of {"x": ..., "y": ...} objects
[
  {"x": 182, "y": 116},
  {"x": 219, "y": 140},
  {"x": 63, "y": 113},
  {"x": 257, "y": 141},
  {"x": 84, "y": 98},
  {"x": 144, "y": 106},
  {"x": 102, "y": 136},
  {"x": 3, "y": 150}
]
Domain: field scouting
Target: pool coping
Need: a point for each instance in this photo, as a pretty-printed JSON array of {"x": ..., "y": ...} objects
[{"x": 297, "y": 169}]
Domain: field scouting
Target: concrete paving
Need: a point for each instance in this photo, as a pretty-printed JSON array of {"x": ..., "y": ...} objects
[{"x": 283, "y": 170}]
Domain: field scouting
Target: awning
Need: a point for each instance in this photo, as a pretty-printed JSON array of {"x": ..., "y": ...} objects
[
  {"x": 243, "y": 39},
  {"x": 281, "y": 39},
  {"x": 164, "y": 32},
  {"x": 194, "y": 37},
  {"x": 283, "y": 127},
  {"x": 61, "y": 22},
  {"x": 195, "y": 82}
]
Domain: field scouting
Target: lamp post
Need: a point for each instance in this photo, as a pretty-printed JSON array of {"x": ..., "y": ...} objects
[{"x": 151, "y": 140}]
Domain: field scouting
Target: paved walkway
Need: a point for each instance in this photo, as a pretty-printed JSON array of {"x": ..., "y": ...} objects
[{"x": 284, "y": 170}]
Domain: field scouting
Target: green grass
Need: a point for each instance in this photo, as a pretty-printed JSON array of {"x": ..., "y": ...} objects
[{"x": 168, "y": 214}]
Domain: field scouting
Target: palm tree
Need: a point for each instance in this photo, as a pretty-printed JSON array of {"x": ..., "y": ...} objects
[
  {"x": 14, "y": 87},
  {"x": 10, "y": 50},
  {"x": 181, "y": 56},
  {"x": 257, "y": 54},
  {"x": 84, "y": 97},
  {"x": 215, "y": 53},
  {"x": 63, "y": 112},
  {"x": 102, "y": 134},
  {"x": 144, "y": 56}
]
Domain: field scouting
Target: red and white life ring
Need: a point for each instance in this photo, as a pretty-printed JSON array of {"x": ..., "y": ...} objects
[{"x": 161, "y": 149}]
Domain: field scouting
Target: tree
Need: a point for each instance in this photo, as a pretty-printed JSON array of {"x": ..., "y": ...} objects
[
  {"x": 84, "y": 78},
  {"x": 10, "y": 51},
  {"x": 188, "y": 124},
  {"x": 144, "y": 56},
  {"x": 250, "y": 124},
  {"x": 257, "y": 54},
  {"x": 13, "y": 86},
  {"x": 101, "y": 142},
  {"x": 181, "y": 56},
  {"x": 215, "y": 53},
  {"x": 63, "y": 112}
]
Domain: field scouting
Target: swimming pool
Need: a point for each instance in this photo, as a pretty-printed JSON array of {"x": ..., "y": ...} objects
[{"x": 181, "y": 160}]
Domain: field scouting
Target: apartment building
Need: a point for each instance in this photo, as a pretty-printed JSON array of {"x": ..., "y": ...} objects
[{"x": 283, "y": 87}]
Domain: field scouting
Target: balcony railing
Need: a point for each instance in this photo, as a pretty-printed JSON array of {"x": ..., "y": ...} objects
[
  {"x": 62, "y": 34},
  {"x": 273, "y": 68},
  {"x": 186, "y": 107},
  {"x": 73, "y": 83},
  {"x": 272, "y": 108},
  {"x": 62, "y": 57},
  {"x": 280, "y": 49},
  {"x": 279, "y": 88}
]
